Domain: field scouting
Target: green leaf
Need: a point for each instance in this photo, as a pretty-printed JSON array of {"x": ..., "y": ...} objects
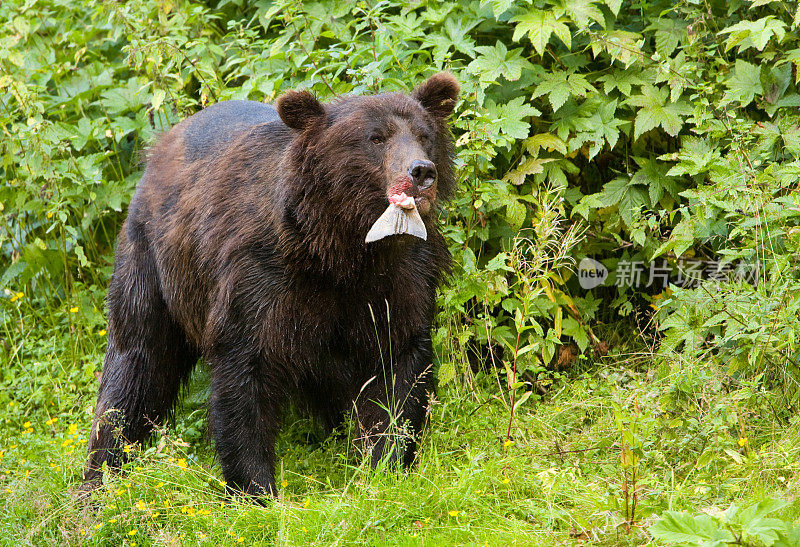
[
  {"x": 653, "y": 175},
  {"x": 755, "y": 34},
  {"x": 539, "y": 25},
  {"x": 521, "y": 401},
  {"x": 498, "y": 262},
  {"x": 510, "y": 117},
  {"x": 560, "y": 85},
  {"x": 620, "y": 44},
  {"x": 495, "y": 61},
  {"x": 684, "y": 529},
  {"x": 577, "y": 332},
  {"x": 655, "y": 111},
  {"x": 499, "y": 7},
  {"x": 447, "y": 371},
  {"x": 622, "y": 80},
  {"x": 631, "y": 204},
  {"x": 515, "y": 214},
  {"x": 583, "y": 11},
  {"x": 744, "y": 83},
  {"x": 530, "y": 166},
  {"x": 669, "y": 34},
  {"x": 614, "y": 191},
  {"x": 601, "y": 125}
]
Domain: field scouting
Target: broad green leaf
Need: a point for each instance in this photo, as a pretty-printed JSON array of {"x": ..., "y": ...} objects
[
  {"x": 495, "y": 61},
  {"x": 515, "y": 214},
  {"x": 685, "y": 529},
  {"x": 539, "y": 25},
  {"x": 744, "y": 82},
  {"x": 530, "y": 166},
  {"x": 498, "y": 262},
  {"x": 548, "y": 141},
  {"x": 602, "y": 125},
  {"x": 653, "y": 175},
  {"x": 584, "y": 11},
  {"x": 614, "y": 191},
  {"x": 620, "y": 45},
  {"x": 560, "y": 85},
  {"x": 631, "y": 204},
  {"x": 511, "y": 117},
  {"x": 669, "y": 33},
  {"x": 756, "y": 34},
  {"x": 577, "y": 332},
  {"x": 655, "y": 110},
  {"x": 447, "y": 371},
  {"x": 499, "y": 7},
  {"x": 622, "y": 80}
]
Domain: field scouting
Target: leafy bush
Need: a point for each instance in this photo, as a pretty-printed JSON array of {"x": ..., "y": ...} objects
[{"x": 667, "y": 129}]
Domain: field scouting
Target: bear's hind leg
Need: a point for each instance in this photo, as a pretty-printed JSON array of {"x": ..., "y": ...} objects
[{"x": 147, "y": 360}]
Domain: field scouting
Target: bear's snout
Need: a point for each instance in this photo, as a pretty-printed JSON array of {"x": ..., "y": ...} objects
[{"x": 422, "y": 173}]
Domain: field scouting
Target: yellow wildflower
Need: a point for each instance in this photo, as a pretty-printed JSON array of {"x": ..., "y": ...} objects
[
  {"x": 453, "y": 513},
  {"x": 74, "y": 309}
]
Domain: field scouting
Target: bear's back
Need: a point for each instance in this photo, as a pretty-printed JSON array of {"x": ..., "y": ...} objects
[{"x": 215, "y": 127}]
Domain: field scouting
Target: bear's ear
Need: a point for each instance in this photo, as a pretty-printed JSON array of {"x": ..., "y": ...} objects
[
  {"x": 438, "y": 94},
  {"x": 299, "y": 109}
]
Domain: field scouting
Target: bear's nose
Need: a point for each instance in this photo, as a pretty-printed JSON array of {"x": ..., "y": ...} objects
[{"x": 422, "y": 173}]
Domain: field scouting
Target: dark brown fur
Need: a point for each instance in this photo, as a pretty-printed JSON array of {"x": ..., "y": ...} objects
[{"x": 244, "y": 244}]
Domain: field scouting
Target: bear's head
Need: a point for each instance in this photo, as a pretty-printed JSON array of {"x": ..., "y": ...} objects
[{"x": 357, "y": 153}]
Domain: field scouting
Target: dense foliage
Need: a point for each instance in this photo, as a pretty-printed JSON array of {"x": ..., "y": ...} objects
[{"x": 661, "y": 139}]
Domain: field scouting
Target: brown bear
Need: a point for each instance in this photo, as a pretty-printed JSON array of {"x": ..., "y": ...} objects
[{"x": 245, "y": 244}]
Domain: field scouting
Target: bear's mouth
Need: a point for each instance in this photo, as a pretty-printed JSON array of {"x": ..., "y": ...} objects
[{"x": 423, "y": 197}]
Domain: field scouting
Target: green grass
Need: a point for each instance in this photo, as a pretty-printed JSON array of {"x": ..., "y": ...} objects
[{"x": 561, "y": 480}]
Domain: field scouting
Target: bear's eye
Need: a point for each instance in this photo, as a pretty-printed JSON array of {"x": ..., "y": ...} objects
[{"x": 377, "y": 139}]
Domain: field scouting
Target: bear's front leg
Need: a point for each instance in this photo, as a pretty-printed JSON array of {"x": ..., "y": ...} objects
[
  {"x": 244, "y": 418},
  {"x": 392, "y": 407}
]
